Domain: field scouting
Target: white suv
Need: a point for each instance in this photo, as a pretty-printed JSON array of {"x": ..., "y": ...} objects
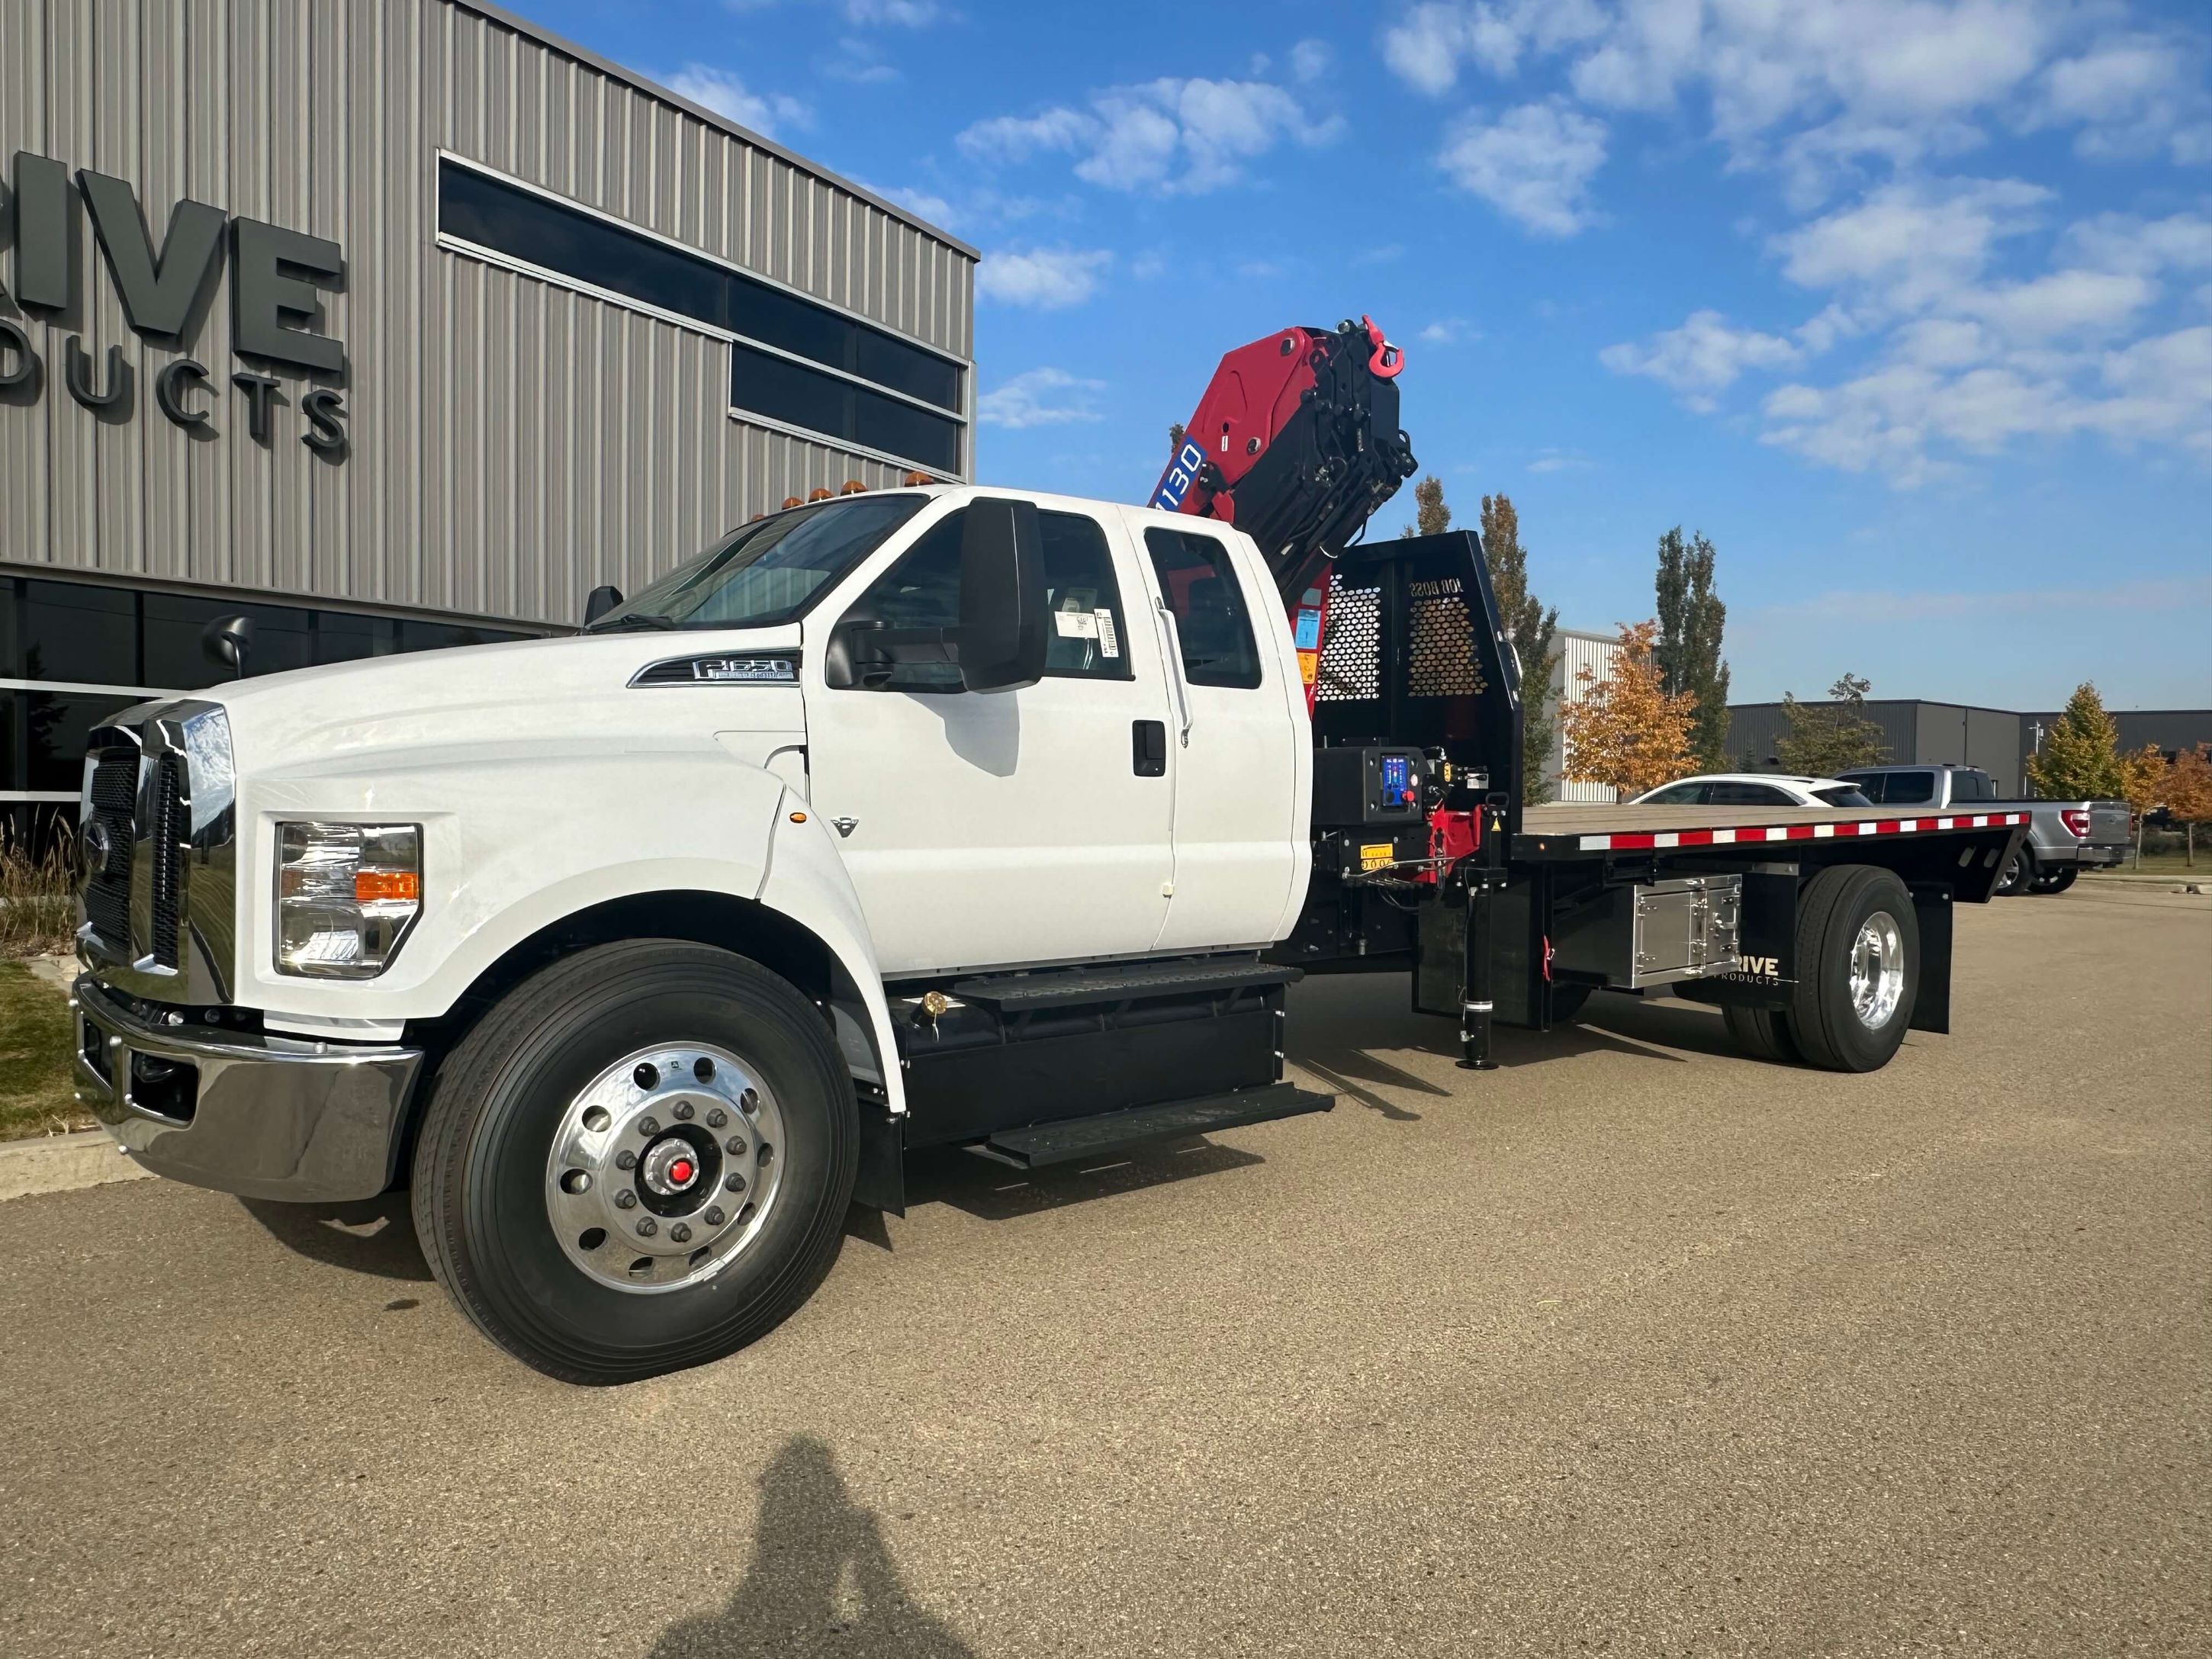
[{"x": 1753, "y": 789}]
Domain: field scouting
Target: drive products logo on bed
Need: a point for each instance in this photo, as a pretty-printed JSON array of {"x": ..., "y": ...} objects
[{"x": 166, "y": 286}]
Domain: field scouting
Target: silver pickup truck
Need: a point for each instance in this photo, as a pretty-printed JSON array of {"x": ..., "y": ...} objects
[{"x": 2064, "y": 838}]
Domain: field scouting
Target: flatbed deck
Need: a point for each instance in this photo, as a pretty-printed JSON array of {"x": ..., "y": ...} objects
[{"x": 1569, "y": 828}]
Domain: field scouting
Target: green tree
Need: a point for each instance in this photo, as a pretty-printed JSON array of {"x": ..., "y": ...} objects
[
  {"x": 1530, "y": 627},
  {"x": 1176, "y": 432},
  {"x": 1688, "y": 650},
  {"x": 1825, "y": 738},
  {"x": 2079, "y": 758}
]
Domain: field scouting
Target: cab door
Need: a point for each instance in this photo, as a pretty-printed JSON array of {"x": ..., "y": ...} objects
[
  {"x": 1004, "y": 828},
  {"x": 1240, "y": 754}
]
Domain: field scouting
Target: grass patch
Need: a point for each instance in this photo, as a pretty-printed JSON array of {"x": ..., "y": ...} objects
[
  {"x": 36, "y": 1035},
  {"x": 38, "y": 908}
]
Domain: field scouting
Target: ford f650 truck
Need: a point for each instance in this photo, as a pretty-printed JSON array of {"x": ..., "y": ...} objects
[{"x": 929, "y": 816}]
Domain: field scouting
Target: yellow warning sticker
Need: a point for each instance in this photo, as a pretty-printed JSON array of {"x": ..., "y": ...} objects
[
  {"x": 1308, "y": 661},
  {"x": 1374, "y": 855}
]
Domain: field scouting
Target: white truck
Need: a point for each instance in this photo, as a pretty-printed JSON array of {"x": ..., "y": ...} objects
[{"x": 934, "y": 816}]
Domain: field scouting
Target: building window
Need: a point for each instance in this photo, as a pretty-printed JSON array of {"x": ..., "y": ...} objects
[{"x": 869, "y": 389}]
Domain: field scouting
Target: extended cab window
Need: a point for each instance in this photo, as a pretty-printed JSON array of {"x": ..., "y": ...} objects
[
  {"x": 1910, "y": 789},
  {"x": 1200, "y": 585},
  {"x": 922, "y": 590}
]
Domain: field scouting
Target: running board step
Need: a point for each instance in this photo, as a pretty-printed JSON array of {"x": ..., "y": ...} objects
[
  {"x": 1075, "y": 1137},
  {"x": 1068, "y": 987}
]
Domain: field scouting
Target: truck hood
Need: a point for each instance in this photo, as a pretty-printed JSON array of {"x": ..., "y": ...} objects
[{"x": 558, "y": 696}]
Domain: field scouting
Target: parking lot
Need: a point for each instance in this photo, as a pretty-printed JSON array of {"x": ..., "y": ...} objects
[{"x": 1634, "y": 1346}]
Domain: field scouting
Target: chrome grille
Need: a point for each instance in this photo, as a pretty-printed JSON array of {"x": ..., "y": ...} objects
[
  {"x": 167, "y": 846},
  {"x": 108, "y": 881}
]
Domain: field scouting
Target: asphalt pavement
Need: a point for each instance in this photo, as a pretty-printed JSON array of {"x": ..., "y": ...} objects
[{"x": 1633, "y": 1347}]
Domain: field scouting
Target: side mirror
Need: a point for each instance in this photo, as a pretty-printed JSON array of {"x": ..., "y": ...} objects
[
  {"x": 598, "y": 602},
  {"x": 226, "y": 640},
  {"x": 1002, "y": 637}
]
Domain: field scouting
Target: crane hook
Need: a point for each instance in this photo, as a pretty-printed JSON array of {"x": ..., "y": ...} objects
[{"x": 1387, "y": 359}]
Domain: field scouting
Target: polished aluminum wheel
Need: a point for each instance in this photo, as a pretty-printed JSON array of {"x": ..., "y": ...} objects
[
  {"x": 1877, "y": 970},
  {"x": 665, "y": 1168}
]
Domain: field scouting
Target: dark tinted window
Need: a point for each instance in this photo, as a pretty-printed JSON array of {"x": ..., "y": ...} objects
[
  {"x": 1200, "y": 584},
  {"x": 588, "y": 249},
  {"x": 42, "y": 736},
  {"x": 281, "y": 640},
  {"x": 1869, "y": 784},
  {"x": 76, "y": 631},
  {"x": 1747, "y": 794},
  {"x": 1908, "y": 789},
  {"x": 1089, "y": 633},
  {"x": 1972, "y": 785},
  {"x": 1677, "y": 794},
  {"x": 341, "y": 636},
  {"x": 1834, "y": 796},
  {"x": 765, "y": 384}
]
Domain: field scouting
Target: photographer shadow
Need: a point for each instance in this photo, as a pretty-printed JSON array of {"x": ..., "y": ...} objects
[{"x": 821, "y": 1580}]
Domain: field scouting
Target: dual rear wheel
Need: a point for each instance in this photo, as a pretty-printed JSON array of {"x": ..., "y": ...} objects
[{"x": 1858, "y": 973}]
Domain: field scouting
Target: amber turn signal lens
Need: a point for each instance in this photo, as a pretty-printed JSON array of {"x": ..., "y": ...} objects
[{"x": 374, "y": 886}]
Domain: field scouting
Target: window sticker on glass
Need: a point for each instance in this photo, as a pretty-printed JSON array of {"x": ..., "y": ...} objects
[
  {"x": 1108, "y": 644},
  {"x": 1075, "y": 625}
]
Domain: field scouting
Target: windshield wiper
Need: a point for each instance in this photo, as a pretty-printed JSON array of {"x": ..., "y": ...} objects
[{"x": 635, "y": 622}]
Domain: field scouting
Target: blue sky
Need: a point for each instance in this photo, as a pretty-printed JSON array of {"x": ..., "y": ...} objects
[{"x": 1907, "y": 304}]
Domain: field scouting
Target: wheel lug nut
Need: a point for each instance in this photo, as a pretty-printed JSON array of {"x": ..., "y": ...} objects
[
  {"x": 647, "y": 1227},
  {"x": 625, "y": 1159},
  {"x": 648, "y": 1126},
  {"x": 625, "y": 1200},
  {"x": 734, "y": 1182},
  {"x": 683, "y": 1109},
  {"x": 714, "y": 1215},
  {"x": 717, "y": 1118},
  {"x": 736, "y": 1147},
  {"x": 680, "y": 1233}
]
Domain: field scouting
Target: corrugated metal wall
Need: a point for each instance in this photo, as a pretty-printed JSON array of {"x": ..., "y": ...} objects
[
  {"x": 1598, "y": 653},
  {"x": 512, "y": 443}
]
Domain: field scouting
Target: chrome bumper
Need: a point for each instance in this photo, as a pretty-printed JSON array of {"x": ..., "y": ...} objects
[{"x": 270, "y": 1117}]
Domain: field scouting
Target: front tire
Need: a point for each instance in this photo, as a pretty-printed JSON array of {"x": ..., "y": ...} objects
[
  {"x": 1858, "y": 968},
  {"x": 550, "y": 1165}
]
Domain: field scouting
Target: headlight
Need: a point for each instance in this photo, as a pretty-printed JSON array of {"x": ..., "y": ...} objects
[{"x": 346, "y": 895}]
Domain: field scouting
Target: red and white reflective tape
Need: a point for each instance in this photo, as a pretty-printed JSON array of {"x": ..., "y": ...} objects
[{"x": 1643, "y": 840}]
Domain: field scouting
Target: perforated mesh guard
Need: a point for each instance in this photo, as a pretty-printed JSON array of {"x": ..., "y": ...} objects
[
  {"x": 1440, "y": 658},
  {"x": 1351, "y": 655}
]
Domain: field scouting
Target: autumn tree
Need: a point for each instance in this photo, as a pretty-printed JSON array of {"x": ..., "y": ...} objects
[
  {"x": 2189, "y": 791},
  {"x": 1532, "y": 630},
  {"x": 1431, "y": 516},
  {"x": 2079, "y": 758},
  {"x": 2142, "y": 785},
  {"x": 1176, "y": 432},
  {"x": 1825, "y": 738},
  {"x": 1628, "y": 730},
  {"x": 1691, "y": 616}
]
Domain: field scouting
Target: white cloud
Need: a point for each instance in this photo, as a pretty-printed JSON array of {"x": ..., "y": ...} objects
[
  {"x": 2120, "y": 241},
  {"x": 1310, "y": 60},
  {"x": 1703, "y": 357},
  {"x": 1908, "y": 244},
  {"x": 1448, "y": 331},
  {"x": 1533, "y": 164},
  {"x": 1039, "y": 396},
  {"x": 726, "y": 96},
  {"x": 1043, "y": 279},
  {"x": 1551, "y": 460},
  {"x": 2063, "y": 303},
  {"x": 1187, "y": 136}
]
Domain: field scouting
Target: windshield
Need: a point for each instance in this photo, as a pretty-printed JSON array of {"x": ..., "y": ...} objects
[
  {"x": 771, "y": 570},
  {"x": 1847, "y": 797}
]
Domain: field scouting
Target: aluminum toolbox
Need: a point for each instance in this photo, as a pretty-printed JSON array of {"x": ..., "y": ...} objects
[{"x": 1653, "y": 934}]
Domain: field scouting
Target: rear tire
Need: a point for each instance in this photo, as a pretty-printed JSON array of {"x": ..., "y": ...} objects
[
  {"x": 489, "y": 1190},
  {"x": 2058, "y": 880},
  {"x": 1762, "y": 1033},
  {"x": 1858, "y": 968},
  {"x": 2020, "y": 873}
]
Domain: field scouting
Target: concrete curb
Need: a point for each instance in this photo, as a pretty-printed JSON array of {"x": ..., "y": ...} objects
[{"x": 62, "y": 1164}]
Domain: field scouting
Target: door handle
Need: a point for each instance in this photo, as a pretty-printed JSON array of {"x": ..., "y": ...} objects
[{"x": 1148, "y": 748}]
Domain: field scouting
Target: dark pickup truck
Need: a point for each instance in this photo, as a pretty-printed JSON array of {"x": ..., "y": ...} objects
[{"x": 2064, "y": 838}]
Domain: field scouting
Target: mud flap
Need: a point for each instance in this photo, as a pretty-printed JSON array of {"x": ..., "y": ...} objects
[{"x": 1931, "y": 1005}]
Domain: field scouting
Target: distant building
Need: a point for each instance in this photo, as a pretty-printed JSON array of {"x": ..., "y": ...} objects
[
  {"x": 1599, "y": 653},
  {"x": 1997, "y": 740}
]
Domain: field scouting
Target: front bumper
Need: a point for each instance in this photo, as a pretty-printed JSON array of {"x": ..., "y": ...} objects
[{"x": 268, "y": 1117}]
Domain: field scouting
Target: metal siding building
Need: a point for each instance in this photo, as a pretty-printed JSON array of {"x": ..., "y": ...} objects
[
  {"x": 1577, "y": 651},
  {"x": 513, "y": 434}
]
